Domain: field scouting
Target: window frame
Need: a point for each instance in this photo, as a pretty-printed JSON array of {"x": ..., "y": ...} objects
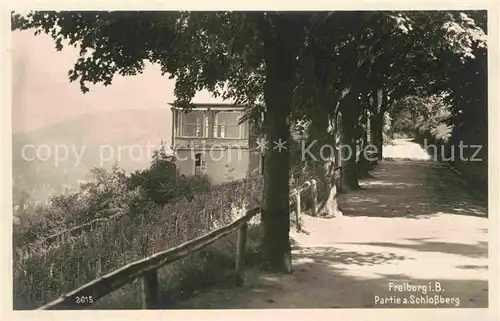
[
  {"x": 216, "y": 121},
  {"x": 202, "y": 168},
  {"x": 202, "y": 124},
  {"x": 208, "y": 125}
]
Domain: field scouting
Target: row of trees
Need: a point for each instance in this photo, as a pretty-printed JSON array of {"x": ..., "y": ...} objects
[{"x": 338, "y": 71}]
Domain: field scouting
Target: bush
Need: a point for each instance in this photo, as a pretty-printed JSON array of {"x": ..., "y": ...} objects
[
  {"x": 161, "y": 182},
  {"x": 154, "y": 211},
  {"x": 110, "y": 194},
  {"x": 47, "y": 274},
  {"x": 431, "y": 121}
]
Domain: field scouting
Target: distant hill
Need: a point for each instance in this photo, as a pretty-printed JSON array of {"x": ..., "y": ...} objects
[
  {"x": 93, "y": 140},
  {"x": 133, "y": 111}
]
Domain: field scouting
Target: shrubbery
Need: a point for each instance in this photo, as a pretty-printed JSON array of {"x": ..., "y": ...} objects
[
  {"x": 46, "y": 275},
  {"x": 154, "y": 209},
  {"x": 157, "y": 209},
  {"x": 109, "y": 194},
  {"x": 430, "y": 120}
]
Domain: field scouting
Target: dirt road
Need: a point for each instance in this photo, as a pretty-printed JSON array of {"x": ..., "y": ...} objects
[{"x": 413, "y": 237}]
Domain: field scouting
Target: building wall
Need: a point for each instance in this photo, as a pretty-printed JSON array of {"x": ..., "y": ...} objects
[
  {"x": 227, "y": 159},
  {"x": 185, "y": 162},
  {"x": 254, "y": 163},
  {"x": 221, "y": 165}
]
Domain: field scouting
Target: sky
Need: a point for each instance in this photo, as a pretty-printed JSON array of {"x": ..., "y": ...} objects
[
  {"x": 43, "y": 94},
  {"x": 50, "y": 110}
]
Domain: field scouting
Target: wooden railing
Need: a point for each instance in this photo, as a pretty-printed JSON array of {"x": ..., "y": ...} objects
[
  {"x": 78, "y": 231},
  {"x": 63, "y": 236},
  {"x": 314, "y": 196},
  {"x": 147, "y": 267}
]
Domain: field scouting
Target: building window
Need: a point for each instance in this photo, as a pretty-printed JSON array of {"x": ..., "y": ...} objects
[
  {"x": 226, "y": 125},
  {"x": 200, "y": 164},
  {"x": 205, "y": 132},
  {"x": 193, "y": 124},
  {"x": 215, "y": 125},
  {"x": 220, "y": 124}
]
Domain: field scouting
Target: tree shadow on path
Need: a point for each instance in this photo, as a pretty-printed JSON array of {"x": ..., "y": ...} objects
[
  {"x": 410, "y": 189},
  {"x": 351, "y": 261},
  {"x": 479, "y": 250},
  {"x": 326, "y": 277}
]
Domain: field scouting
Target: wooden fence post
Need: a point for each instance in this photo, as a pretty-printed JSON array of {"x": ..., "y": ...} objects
[
  {"x": 297, "y": 210},
  {"x": 314, "y": 197},
  {"x": 240, "y": 255},
  {"x": 150, "y": 290}
]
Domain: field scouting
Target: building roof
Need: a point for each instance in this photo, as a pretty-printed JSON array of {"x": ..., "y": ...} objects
[{"x": 214, "y": 106}]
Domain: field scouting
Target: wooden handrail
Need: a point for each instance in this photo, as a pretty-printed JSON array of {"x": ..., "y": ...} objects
[
  {"x": 296, "y": 192},
  {"x": 49, "y": 240},
  {"x": 61, "y": 236},
  {"x": 112, "y": 281},
  {"x": 302, "y": 187},
  {"x": 80, "y": 228},
  {"x": 147, "y": 267}
]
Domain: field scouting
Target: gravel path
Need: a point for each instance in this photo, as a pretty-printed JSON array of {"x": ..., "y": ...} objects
[{"x": 413, "y": 237}]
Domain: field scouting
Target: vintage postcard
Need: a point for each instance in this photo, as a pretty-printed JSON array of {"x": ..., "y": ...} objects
[{"x": 331, "y": 161}]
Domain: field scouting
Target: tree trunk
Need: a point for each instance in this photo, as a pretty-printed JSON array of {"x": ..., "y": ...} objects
[
  {"x": 380, "y": 137},
  {"x": 276, "y": 208},
  {"x": 323, "y": 159},
  {"x": 350, "y": 110},
  {"x": 364, "y": 165},
  {"x": 280, "y": 58},
  {"x": 376, "y": 136},
  {"x": 380, "y": 104},
  {"x": 338, "y": 151}
]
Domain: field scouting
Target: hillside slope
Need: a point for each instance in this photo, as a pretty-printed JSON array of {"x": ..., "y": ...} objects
[{"x": 47, "y": 159}]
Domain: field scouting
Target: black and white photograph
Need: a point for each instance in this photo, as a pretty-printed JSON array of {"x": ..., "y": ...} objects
[{"x": 194, "y": 160}]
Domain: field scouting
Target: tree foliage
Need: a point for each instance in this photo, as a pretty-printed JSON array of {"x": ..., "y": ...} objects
[{"x": 292, "y": 66}]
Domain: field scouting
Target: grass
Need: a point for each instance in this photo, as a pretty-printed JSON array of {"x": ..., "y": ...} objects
[
  {"x": 47, "y": 274},
  {"x": 107, "y": 195}
]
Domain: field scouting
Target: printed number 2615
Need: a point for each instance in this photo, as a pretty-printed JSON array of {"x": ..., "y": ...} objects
[{"x": 84, "y": 299}]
